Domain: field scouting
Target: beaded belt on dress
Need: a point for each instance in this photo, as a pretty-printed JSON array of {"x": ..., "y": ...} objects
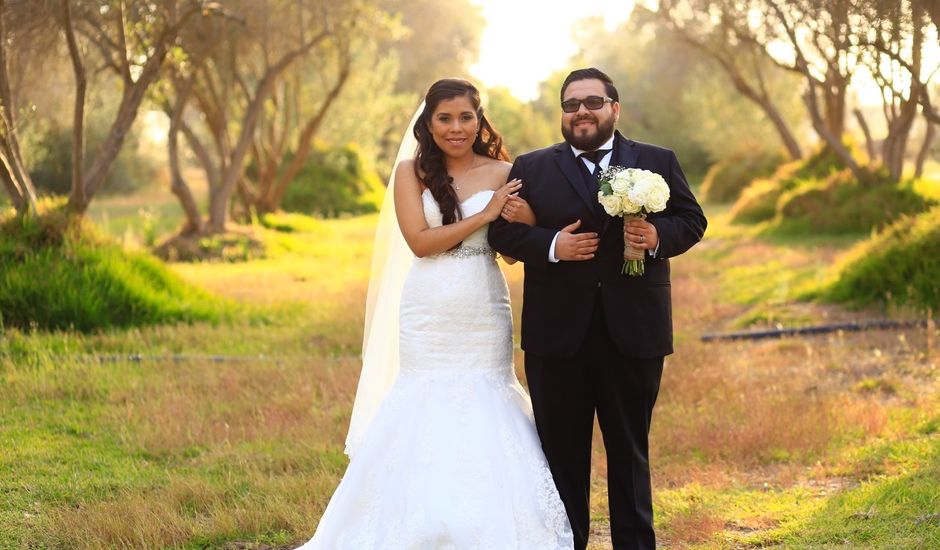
[{"x": 468, "y": 252}]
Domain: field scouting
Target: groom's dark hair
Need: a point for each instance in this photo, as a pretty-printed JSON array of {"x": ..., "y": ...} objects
[{"x": 589, "y": 74}]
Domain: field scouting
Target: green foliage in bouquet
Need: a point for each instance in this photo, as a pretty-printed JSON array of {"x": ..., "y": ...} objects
[
  {"x": 335, "y": 181},
  {"x": 899, "y": 265},
  {"x": 58, "y": 272},
  {"x": 725, "y": 180}
]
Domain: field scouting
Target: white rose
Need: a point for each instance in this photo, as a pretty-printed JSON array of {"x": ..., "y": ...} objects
[
  {"x": 650, "y": 192},
  {"x": 611, "y": 203},
  {"x": 628, "y": 205},
  {"x": 621, "y": 183}
]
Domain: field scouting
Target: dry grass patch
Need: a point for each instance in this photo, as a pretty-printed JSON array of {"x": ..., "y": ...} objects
[
  {"x": 206, "y": 404},
  {"x": 695, "y": 525},
  {"x": 192, "y": 511}
]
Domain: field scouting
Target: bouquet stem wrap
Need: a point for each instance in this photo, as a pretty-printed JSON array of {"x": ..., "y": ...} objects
[{"x": 632, "y": 256}]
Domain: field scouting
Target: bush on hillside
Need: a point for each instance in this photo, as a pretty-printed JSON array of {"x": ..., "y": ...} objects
[
  {"x": 899, "y": 265},
  {"x": 335, "y": 181},
  {"x": 758, "y": 201},
  {"x": 840, "y": 204},
  {"x": 57, "y": 272},
  {"x": 725, "y": 180}
]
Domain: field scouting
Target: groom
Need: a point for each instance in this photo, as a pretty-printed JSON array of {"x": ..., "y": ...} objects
[{"x": 595, "y": 339}]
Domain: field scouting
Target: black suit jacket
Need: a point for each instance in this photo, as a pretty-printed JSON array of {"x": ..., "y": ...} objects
[{"x": 558, "y": 298}]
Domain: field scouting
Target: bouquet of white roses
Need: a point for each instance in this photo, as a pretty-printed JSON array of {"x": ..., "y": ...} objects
[{"x": 632, "y": 193}]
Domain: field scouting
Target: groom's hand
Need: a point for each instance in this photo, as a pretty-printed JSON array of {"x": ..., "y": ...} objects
[{"x": 571, "y": 246}]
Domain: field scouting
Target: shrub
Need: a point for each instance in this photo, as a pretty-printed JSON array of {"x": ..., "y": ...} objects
[
  {"x": 758, "y": 201},
  {"x": 334, "y": 181},
  {"x": 51, "y": 161},
  {"x": 725, "y": 180},
  {"x": 900, "y": 265},
  {"x": 285, "y": 222},
  {"x": 840, "y": 204},
  {"x": 58, "y": 272}
]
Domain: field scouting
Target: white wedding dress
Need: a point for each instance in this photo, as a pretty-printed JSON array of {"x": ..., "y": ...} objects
[{"x": 451, "y": 459}]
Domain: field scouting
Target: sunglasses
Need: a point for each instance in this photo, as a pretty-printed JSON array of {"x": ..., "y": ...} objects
[{"x": 592, "y": 102}]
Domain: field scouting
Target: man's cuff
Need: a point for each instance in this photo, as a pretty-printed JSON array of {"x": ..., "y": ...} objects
[
  {"x": 551, "y": 250},
  {"x": 652, "y": 253}
]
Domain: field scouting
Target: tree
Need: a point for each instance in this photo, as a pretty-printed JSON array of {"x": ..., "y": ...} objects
[
  {"x": 712, "y": 34},
  {"x": 132, "y": 41},
  {"x": 892, "y": 43},
  {"x": 826, "y": 42},
  {"x": 522, "y": 127},
  {"x": 285, "y": 136},
  {"x": 441, "y": 39},
  {"x": 228, "y": 73},
  {"x": 16, "y": 180}
]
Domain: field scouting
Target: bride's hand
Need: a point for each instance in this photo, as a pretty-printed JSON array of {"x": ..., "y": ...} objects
[
  {"x": 517, "y": 210},
  {"x": 499, "y": 198}
]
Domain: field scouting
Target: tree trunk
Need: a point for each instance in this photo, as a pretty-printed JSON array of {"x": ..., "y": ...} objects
[
  {"x": 304, "y": 143},
  {"x": 899, "y": 129},
  {"x": 16, "y": 178},
  {"x": 78, "y": 198},
  {"x": 924, "y": 149},
  {"x": 16, "y": 196},
  {"x": 834, "y": 89},
  {"x": 127, "y": 113},
  {"x": 202, "y": 155},
  {"x": 178, "y": 185},
  {"x": 895, "y": 144},
  {"x": 218, "y": 206},
  {"x": 832, "y": 141},
  {"x": 869, "y": 143},
  {"x": 236, "y": 161}
]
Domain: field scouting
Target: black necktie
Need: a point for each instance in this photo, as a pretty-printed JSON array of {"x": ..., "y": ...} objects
[
  {"x": 590, "y": 180},
  {"x": 595, "y": 157}
]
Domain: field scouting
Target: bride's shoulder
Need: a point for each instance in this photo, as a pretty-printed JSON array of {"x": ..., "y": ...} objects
[
  {"x": 405, "y": 171},
  {"x": 405, "y": 165},
  {"x": 497, "y": 169}
]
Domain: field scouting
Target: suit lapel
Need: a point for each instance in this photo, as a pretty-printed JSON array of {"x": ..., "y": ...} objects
[
  {"x": 626, "y": 151},
  {"x": 568, "y": 165}
]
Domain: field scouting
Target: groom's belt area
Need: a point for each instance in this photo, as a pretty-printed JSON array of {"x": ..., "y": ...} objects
[
  {"x": 573, "y": 281},
  {"x": 605, "y": 268}
]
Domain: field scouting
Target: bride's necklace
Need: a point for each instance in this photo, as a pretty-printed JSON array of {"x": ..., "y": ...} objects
[{"x": 465, "y": 172}]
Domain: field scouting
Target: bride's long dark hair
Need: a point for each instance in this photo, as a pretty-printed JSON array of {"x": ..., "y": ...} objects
[{"x": 430, "y": 168}]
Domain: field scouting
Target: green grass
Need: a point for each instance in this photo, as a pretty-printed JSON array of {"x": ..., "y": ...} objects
[
  {"x": 758, "y": 201},
  {"x": 58, "y": 272},
  {"x": 754, "y": 444},
  {"x": 725, "y": 180},
  {"x": 900, "y": 265}
]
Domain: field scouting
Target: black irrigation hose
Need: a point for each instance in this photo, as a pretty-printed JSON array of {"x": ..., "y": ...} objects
[
  {"x": 813, "y": 330},
  {"x": 177, "y": 358}
]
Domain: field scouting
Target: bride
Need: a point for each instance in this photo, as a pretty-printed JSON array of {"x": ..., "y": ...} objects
[{"x": 443, "y": 448}]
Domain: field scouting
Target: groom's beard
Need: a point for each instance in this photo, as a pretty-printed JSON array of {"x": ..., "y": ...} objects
[{"x": 588, "y": 142}]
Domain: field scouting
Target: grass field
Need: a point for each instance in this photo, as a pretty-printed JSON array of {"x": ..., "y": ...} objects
[{"x": 821, "y": 442}]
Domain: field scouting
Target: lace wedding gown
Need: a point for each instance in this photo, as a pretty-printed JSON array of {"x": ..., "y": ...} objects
[{"x": 452, "y": 459}]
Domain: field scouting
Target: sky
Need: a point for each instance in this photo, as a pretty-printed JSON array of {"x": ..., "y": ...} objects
[{"x": 526, "y": 40}]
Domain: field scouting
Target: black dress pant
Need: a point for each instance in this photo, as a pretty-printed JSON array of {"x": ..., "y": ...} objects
[{"x": 566, "y": 392}]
